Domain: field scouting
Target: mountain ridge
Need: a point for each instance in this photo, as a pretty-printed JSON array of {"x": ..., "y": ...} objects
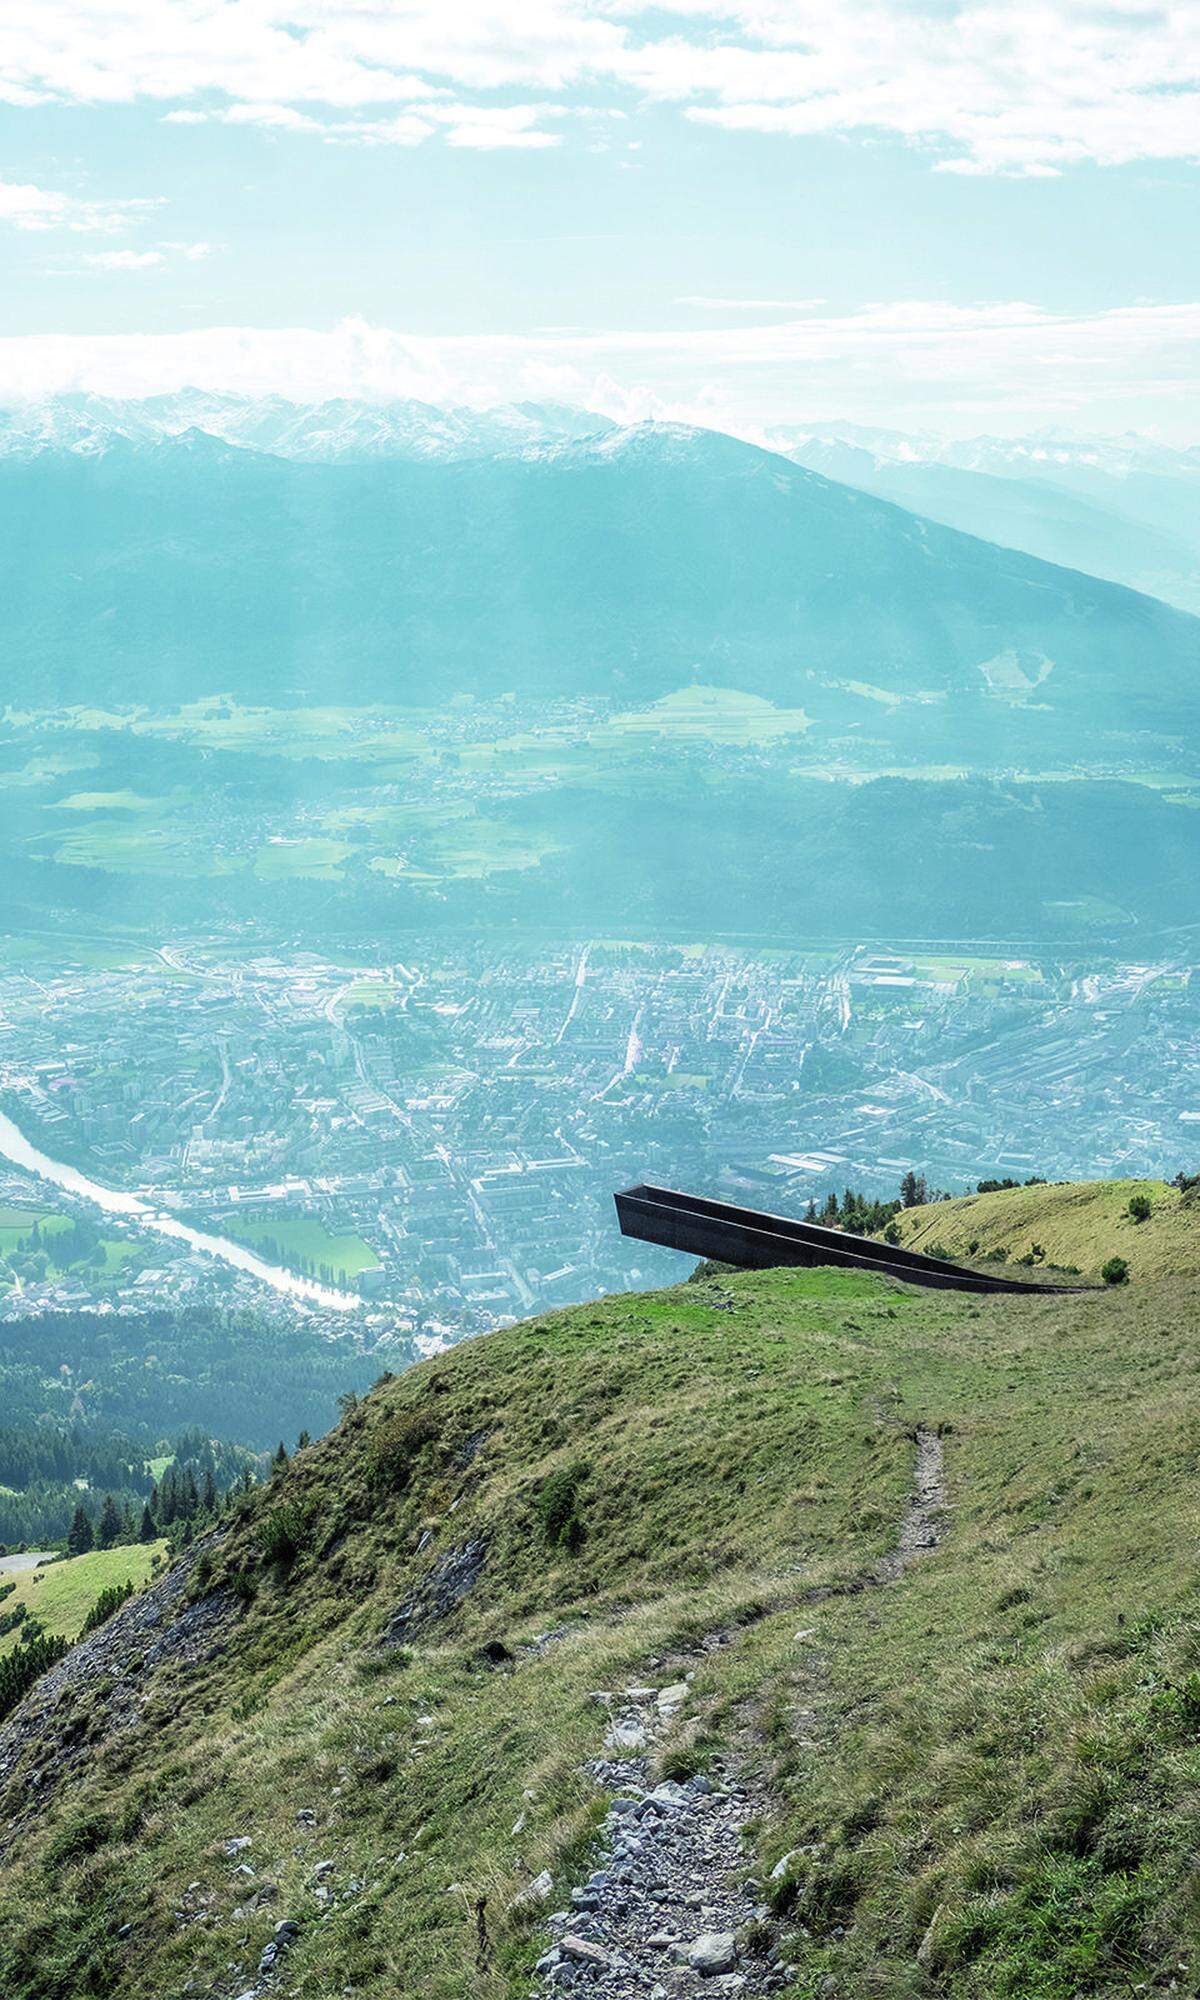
[
  {"x": 376, "y": 1733},
  {"x": 341, "y": 428},
  {"x": 627, "y": 561}
]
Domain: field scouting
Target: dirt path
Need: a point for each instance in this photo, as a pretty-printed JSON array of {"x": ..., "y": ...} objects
[
  {"x": 665, "y": 1913},
  {"x": 922, "y": 1526}
]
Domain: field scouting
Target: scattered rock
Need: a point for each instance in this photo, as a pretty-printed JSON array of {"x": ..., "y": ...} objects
[
  {"x": 672, "y": 1884},
  {"x": 627, "y": 1734},
  {"x": 439, "y": 1593},
  {"x": 494, "y": 1653},
  {"x": 582, "y": 1951},
  {"x": 281, "y": 1943},
  {"x": 539, "y": 1890},
  {"x": 715, "y": 1951}
]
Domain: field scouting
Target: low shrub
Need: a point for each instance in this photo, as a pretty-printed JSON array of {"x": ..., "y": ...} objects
[
  {"x": 557, "y": 1507},
  {"x": 20, "y": 1669},
  {"x": 109, "y": 1600},
  {"x": 284, "y": 1533},
  {"x": 77, "y": 1839},
  {"x": 394, "y": 1445}
]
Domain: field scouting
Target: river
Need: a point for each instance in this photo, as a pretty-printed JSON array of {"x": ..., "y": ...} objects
[{"x": 16, "y": 1147}]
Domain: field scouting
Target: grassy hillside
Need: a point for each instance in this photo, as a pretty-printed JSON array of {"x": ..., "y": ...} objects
[
  {"x": 61, "y": 1594},
  {"x": 985, "y": 1771},
  {"x": 1080, "y": 1223}
]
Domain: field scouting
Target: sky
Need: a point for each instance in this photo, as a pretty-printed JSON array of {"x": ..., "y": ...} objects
[{"x": 943, "y": 215}]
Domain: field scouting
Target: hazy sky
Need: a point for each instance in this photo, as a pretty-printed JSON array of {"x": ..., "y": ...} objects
[{"x": 921, "y": 212}]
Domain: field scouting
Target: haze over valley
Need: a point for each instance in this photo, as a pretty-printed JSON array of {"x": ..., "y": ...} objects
[{"x": 600, "y": 609}]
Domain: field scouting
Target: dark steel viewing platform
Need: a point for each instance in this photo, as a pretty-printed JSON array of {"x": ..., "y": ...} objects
[{"x": 730, "y": 1235}]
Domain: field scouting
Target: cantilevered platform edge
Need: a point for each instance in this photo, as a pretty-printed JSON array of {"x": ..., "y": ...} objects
[{"x": 756, "y": 1240}]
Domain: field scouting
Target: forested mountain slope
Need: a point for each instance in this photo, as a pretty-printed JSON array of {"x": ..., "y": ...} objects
[{"x": 631, "y": 565}]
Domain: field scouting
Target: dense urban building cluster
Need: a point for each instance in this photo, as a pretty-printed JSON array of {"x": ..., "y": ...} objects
[{"x": 434, "y": 1138}]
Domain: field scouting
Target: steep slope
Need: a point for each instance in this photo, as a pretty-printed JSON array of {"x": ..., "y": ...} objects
[
  {"x": 1078, "y": 1224},
  {"x": 629, "y": 566},
  {"x": 1041, "y": 516},
  {"x": 340, "y": 1749}
]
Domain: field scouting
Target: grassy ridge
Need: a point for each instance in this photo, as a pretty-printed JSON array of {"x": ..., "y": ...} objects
[
  {"x": 1079, "y": 1223},
  {"x": 990, "y": 1768}
]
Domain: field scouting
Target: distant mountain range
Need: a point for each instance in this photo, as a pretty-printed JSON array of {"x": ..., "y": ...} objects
[
  {"x": 1124, "y": 508},
  {"x": 327, "y": 432},
  {"x": 157, "y": 565}
]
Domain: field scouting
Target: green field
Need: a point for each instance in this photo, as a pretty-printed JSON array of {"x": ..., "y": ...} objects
[
  {"x": 445, "y": 842},
  {"x": 16, "y": 1225},
  {"x": 369, "y": 993},
  {"x": 62, "y": 1593},
  {"x": 123, "y": 801},
  {"x": 980, "y": 971},
  {"x": 302, "y": 1243},
  {"x": 217, "y": 722},
  {"x": 314, "y": 856},
  {"x": 710, "y": 715}
]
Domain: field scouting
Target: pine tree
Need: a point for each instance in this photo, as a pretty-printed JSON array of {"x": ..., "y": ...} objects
[
  {"x": 281, "y": 1457},
  {"x": 148, "y": 1532},
  {"x": 109, "y": 1531},
  {"x": 81, "y": 1537},
  {"x": 208, "y": 1498}
]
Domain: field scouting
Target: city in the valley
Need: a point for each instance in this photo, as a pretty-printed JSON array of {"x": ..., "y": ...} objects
[{"x": 419, "y": 1146}]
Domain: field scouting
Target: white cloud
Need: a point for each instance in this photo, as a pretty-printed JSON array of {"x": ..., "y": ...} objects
[
  {"x": 491, "y": 126},
  {"x": 27, "y": 207},
  {"x": 125, "y": 260},
  {"x": 986, "y": 86},
  {"x": 148, "y": 260},
  {"x": 483, "y": 126},
  {"x": 749, "y": 305},
  {"x": 910, "y": 363}
]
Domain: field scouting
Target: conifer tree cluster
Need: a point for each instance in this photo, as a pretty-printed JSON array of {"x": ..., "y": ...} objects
[{"x": 194, "y": 1490}]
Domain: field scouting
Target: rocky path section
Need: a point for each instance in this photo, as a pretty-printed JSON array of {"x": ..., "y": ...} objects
[
  {"x": 672, "y": 1912},
  {"x": 666, "y": 1915},
  {"x": 921, "y": 1528}
]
